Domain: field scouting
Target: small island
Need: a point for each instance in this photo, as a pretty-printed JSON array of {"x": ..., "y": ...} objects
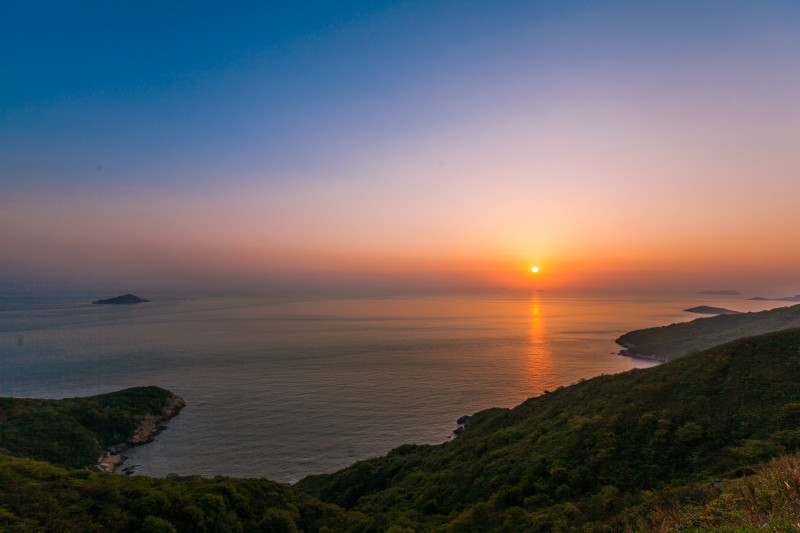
[
  {"x": 125, "y": 299},
  {"x": 708, "y": 310}
]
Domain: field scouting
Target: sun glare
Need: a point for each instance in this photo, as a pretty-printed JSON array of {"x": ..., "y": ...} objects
[{"x": 535, "y": 270}]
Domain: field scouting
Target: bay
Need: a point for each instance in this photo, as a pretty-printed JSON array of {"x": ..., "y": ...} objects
[{"x": 291, "y": 386}]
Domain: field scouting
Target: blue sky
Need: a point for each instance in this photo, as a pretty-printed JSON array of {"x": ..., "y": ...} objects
[
  {"x": 196, "y": 92},
  {"x": 337, "y": 114}
]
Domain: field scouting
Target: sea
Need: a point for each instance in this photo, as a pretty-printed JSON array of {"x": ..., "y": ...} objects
[{"x": 287, "y": 386}]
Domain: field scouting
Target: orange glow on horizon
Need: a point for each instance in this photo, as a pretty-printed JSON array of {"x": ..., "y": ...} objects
[{"x": 167, "y": 242}]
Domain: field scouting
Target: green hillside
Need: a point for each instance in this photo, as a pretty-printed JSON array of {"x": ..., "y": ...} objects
[
  {"x": 74, "y": 431},
  {"x": 665, "y": 343}
]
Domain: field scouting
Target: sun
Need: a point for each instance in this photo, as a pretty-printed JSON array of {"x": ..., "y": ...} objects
[{"x": 535, "y": 270}]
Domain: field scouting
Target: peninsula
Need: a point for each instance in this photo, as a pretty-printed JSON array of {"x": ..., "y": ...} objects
[
  {"x": 795, "y": 298},
  {"x": 665, "y": 343},
  {"x": 88, "y": 432}
]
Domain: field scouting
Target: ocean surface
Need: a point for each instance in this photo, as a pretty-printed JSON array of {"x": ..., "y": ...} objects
[{"x": 286, "y": 387}]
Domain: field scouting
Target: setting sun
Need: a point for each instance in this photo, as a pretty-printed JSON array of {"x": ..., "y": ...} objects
[{"x": 535, "y": 270}]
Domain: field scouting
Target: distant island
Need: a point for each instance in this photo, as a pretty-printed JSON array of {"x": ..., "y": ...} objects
[
  {"x": 795, "y": 298},
  {"x": 676, "y": 340},
  {"x": 125, "y": 299},
  {"x": 724, "y": 292},
  {"x": 708, "y": 310}
]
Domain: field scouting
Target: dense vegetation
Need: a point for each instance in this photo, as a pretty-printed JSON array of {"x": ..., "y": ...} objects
[
  {"x": 669, "y": 342},
  {"x": 36, "y": 496},
  {"x": 633, "y": 451},
  {"x": 73, "y": 432}
]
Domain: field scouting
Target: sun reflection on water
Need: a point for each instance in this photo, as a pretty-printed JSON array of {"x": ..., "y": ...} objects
[{"x": 538, "y": 374}]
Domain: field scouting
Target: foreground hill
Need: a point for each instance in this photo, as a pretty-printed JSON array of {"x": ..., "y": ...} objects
[
  {"x": 669, "y": 342},
  {"x": 610, "y": 453},
  {"x": 36, "y": 496},
  {"x": 75, "y": 432}
]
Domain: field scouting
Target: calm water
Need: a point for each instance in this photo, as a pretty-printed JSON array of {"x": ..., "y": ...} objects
[{"x": 283, "y": 388}]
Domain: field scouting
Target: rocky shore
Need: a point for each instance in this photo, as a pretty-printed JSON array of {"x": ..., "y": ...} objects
[
  {"x": 149, "y": 427},
  {"x": 461, "y": 423},
  {"x": 630, "y": 351}
]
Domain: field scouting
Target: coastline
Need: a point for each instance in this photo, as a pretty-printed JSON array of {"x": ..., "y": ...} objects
[
  {"x": 665, "y": 343},
  {"x": 149, "y": 427}
]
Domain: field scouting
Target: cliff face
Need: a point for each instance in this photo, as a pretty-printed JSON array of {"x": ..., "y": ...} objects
[{"x": 150, "y": 425}]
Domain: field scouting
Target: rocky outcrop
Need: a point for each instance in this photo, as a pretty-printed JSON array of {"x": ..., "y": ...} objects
[
  {"x": 149, "y": 426},
  {"x": 462, "y": 427},
  {"x": 109, "y": 462},
  {"x": 631, "y": 351}
]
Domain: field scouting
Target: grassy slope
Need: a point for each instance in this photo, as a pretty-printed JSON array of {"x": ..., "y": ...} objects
[
  {"x": 586, "y": 452},
  {"x": 71, "y": 432},
  {"x": 767, "y": 497},
  {"x": 676, "y": 340}
]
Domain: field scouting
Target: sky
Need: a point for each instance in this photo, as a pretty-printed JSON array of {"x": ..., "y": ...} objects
[{"x": 196, "y": 146}]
